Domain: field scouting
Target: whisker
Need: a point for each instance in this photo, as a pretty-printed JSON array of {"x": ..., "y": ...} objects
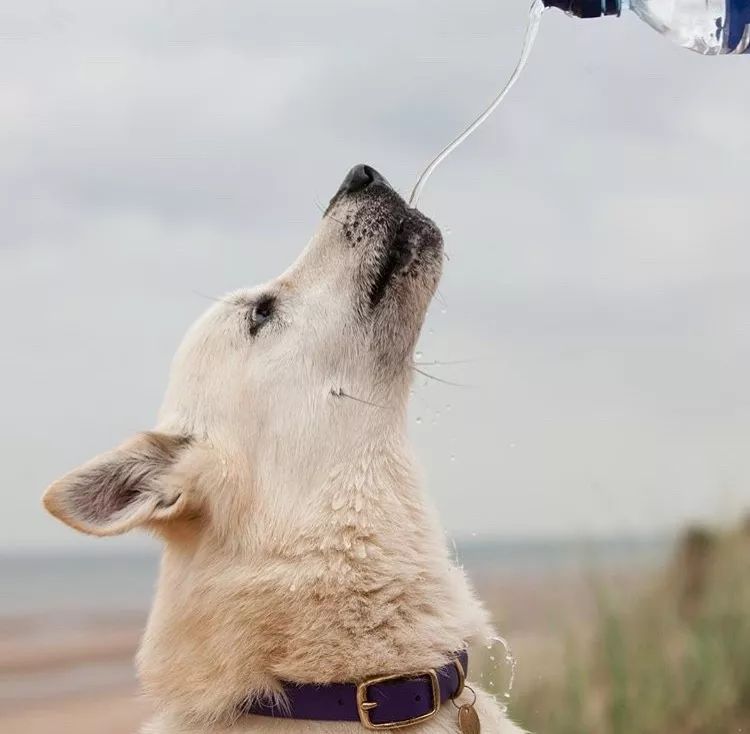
[
  {"x": 441, "y": 363},
  {"x": 437, "y": 379},
  {"x": 214, "y": 298},
  {"x": 341, "y": 394},
  {"x": 323, "y": 211},
  {"x": 330, "y": 216}
]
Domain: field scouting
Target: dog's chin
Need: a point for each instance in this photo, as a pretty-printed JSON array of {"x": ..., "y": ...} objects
[
  {"x": 411, "y": 258},
  {"x": 402, "y": 279}
]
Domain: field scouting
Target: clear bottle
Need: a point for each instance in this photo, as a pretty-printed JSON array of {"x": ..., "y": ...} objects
[{"x": 708, "y": 27}]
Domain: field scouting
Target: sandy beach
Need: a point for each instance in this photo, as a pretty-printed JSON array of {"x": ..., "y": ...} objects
[
  {"x": 111, "y": 712},
  {"x": 69, "y": 673}
]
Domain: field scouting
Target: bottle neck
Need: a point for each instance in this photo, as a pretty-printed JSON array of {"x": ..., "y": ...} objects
[{"x": 588, "y": 8}]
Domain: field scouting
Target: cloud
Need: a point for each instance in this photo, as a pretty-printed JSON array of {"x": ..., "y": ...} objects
[{"x": 598, "y": 276}]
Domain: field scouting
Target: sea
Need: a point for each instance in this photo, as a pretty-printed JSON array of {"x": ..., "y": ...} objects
[{"x": 40, "y": 583}]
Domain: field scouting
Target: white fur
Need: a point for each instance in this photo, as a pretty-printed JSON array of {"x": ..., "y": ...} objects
[{"x": 299, "y": 544}]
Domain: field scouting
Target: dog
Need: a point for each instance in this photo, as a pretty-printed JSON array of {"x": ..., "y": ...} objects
[{"x": 299, "y": 547}]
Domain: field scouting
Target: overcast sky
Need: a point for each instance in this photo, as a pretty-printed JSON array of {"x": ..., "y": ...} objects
[{"x": 598, "y": 290}]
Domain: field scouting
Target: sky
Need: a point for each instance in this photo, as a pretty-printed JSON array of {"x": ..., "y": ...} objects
[{"x": 595, "y": 309}]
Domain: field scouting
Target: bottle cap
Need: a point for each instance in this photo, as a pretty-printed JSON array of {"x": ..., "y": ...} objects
[
  {"x": 586, "y": 8},
  {"x": 738, "y": 21}
]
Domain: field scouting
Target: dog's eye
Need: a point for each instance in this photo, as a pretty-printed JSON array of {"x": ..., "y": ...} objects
[{"x": 261, "y": 313}]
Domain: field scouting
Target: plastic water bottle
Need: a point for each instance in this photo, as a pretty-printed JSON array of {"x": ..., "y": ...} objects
[{"x": 708, "y": 27}]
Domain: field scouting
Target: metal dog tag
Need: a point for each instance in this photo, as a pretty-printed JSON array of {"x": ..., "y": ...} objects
[{"x": 468, "y": 720}]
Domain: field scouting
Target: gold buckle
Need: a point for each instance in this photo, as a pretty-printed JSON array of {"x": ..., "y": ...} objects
[{"x": 364, "y": 706}]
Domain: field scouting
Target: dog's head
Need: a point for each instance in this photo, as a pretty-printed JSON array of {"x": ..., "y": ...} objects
[{"x": 281, "y": 383}]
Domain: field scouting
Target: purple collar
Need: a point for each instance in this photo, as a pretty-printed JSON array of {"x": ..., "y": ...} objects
[{"x": 387, "y": 702}]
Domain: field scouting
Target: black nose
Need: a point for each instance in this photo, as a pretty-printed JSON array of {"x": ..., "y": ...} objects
[{"x": 360, "y": 177}]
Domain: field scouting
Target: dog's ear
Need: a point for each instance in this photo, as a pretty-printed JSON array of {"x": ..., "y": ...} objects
[{"x": 131, "y": 486}]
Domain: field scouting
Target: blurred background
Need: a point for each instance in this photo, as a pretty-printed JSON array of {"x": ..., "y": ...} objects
[{"x": 585, "y": 438}]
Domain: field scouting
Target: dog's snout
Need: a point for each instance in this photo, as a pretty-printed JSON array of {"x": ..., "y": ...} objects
[{"x": 360, "y": 177}]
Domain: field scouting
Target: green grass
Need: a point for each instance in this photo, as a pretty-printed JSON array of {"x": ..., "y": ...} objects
[{"x": 673, "y": 660}]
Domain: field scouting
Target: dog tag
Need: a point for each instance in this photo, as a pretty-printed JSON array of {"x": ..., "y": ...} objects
[{"x": 468, "y": 720}]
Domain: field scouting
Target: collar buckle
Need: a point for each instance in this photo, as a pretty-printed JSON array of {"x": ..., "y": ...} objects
[{"x": 364, "y": 707}]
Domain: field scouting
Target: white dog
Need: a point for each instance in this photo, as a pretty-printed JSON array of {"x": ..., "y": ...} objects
[{"x": 300, "y": 549}]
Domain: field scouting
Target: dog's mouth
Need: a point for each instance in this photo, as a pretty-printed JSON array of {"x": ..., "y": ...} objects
[
  {"x": 403, "y": 255},
  {"x": 398, "y": 244}
]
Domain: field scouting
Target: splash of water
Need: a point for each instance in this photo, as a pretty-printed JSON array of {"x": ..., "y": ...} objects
[
  {"x": 535, "y": 18},
  {"x": 512, "y": 664},
  {"x": 498, "y": 663}
]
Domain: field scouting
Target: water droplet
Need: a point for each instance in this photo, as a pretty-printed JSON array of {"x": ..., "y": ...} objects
[
  {"x": 453, "y": 458},
  {"x": 419, "y": 355},
  {"x": 292, "y": 588},
  {"x": 449, "y": 407},
  {"x": 419, "y": 420},
  {"x": 443, "y": 310},
  {"x": 455, "y": 550}
]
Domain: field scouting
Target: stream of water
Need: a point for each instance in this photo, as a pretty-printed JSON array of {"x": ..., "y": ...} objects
[{"x": 535, "y": 18}]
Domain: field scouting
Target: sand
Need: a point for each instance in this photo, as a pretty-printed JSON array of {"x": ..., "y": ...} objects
[
  {"x": 69, "y": 673},
  {"x": 104, "y": 713}
]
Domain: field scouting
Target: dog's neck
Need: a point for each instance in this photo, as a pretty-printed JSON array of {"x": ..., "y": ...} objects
[{"x": 354, "y": 582}]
